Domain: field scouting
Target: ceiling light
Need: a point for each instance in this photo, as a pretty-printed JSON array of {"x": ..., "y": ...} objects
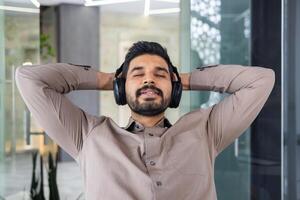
[
  {"x": 36, "y": 3},
  {"x": 147, "y": 7},
  {"x": 170, "y": 1},
  {"x": 20, "y": 9},
  {"x": 164, "y": 11}
]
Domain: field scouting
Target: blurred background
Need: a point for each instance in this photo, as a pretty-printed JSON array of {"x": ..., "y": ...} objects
[{"x": 262, "y": 164}]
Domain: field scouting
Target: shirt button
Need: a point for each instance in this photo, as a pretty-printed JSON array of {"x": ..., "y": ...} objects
[
  {"x": 151, "y": 134},
  {"x": 158, "y": 183},
  {"x": 152, "y": 163}
]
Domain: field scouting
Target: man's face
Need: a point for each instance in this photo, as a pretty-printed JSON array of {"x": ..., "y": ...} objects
[{"x": 148, "y": 85}]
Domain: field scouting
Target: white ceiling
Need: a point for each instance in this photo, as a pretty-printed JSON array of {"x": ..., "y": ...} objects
[{"x": 128, "y": 7}]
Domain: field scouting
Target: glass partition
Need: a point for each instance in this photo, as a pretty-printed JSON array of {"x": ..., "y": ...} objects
[
  {"x": 19, "y": 44},
  {"x": 2, "y": 80},
  {"x": 291, "y": 99},
  {"x": 2, "y": 115},
  {"x": 219, "y": 32}
]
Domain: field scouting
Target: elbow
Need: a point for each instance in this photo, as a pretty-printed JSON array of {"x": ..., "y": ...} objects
[
  {"x": 270, "y": 72},
  {"x": 23, "y": 74},
  {"x": 23, "y": 71},
  {"x": 269, "y": 77},
  {"x": 20, "y": 72}
]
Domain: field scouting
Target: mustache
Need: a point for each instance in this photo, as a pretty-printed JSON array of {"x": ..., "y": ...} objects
[{"x": 155, "y": 89}]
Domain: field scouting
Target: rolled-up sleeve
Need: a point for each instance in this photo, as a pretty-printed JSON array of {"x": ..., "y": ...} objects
[
  {"x": 42, "y": 88},
  {"x": 249, "y": 88}
]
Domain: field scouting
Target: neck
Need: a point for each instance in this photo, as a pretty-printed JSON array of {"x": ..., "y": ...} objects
[{"x": 147, "y": 121}]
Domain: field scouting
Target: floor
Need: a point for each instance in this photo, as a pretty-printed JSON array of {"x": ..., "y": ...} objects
[{"x": 15, "y": 179}]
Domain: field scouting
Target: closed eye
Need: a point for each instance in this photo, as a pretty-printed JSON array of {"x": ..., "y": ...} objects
[
  {"x": 137, "y": 75},
  {"x": 161, "y": 75}
]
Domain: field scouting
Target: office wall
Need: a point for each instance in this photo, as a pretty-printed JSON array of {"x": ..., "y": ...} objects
[{"x": 118, "y": 31}]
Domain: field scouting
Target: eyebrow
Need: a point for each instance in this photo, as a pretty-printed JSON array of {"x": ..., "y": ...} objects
[
  {"x": 135, "y": 69},
  {"x": 162, "y": 69},
  {"x": 158, "y": 68}
]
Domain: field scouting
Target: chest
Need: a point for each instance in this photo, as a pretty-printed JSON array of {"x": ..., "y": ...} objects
[{"x": 185, "y": 152}]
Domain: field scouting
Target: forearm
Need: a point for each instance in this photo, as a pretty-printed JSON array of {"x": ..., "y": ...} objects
[
  {"x": 42, "y": 88},
  {"x": 61, "y": 77},
  {"x": 249, "y": 88},
  {"x": 229, "y": 78}
]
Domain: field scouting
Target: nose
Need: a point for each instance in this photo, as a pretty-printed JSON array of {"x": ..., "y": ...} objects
[{"x": 148, "y": 80}]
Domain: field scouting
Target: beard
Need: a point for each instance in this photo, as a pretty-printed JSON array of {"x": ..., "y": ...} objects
[{"x": 149, "y": 107}]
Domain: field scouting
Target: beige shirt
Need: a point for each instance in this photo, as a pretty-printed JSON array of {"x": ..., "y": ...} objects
[{"x": 163, "y": 162}]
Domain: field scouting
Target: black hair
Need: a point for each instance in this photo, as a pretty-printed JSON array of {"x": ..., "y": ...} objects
[{"x": 145, "y": 47}]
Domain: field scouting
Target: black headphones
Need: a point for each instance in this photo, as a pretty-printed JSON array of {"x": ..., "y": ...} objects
[{"x": 120, "y": 95}]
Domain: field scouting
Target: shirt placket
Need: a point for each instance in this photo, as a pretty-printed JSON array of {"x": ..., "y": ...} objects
[{"x": 152, "y": 153}]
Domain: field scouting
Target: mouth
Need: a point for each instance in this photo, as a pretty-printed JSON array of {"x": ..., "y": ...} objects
[{"x": 149, "y": 93}]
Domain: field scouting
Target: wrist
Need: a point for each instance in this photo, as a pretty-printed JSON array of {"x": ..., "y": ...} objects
[
  {"x": 105, "y": 80},
  {"x": 185, "y": 80}
]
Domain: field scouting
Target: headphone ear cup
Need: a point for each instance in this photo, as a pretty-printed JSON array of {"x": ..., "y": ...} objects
[
  {"x": 116, "y": 91},
  {"x": 122, "y": 91},
  {"x": 119, "y": 91},
  {"x": 176, "y": 94}
]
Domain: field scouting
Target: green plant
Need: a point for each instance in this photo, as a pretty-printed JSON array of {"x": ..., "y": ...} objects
[
  {"x": 37, "y": 188},
  {"x": 54, "y": 195},
  {"x": 46, "y": 49},
  {"x": 37, "y": 184}
]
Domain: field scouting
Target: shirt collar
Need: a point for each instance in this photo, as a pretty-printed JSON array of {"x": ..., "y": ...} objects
[{"x": 135, "y": 125}]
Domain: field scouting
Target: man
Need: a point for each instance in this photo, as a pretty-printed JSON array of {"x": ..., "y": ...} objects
[{"x": 149, "y": 158}]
